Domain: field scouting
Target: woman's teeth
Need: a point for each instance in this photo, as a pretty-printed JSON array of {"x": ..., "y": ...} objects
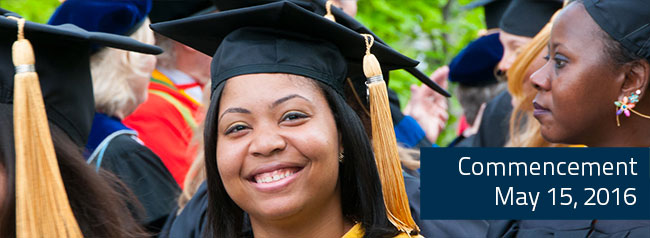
[{"x": 273, "y": 176}]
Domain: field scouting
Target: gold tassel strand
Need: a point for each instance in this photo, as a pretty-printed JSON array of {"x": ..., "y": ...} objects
[
  {"x": 328, "y": 7},
  {"x": 385, "y": 145},
  {"x": 42, "y": 208}
]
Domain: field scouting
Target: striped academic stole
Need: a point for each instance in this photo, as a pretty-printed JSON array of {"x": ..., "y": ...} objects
[{"x": 163, "y": 87}]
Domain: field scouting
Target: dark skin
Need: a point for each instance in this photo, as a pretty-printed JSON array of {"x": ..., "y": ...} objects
[{"x": 578, "y": 85}]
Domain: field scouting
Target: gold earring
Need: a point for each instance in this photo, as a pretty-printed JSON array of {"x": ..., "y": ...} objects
[
  {"x": 341, "y": 157},
  {"x": 625, "y": 106}
]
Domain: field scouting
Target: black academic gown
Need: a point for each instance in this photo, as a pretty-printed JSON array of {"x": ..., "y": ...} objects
[
  {"x": 569, "y": 229},
  {"x": 147, "y": 177},
  {"x": 192, "y": 221}
]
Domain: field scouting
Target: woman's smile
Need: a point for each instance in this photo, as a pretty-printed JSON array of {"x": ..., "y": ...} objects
[{"x": 274, "y": 177}]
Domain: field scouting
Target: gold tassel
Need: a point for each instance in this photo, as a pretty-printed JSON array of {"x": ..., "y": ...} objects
[
  {"x": 385, "y": 145},
  {"x": 42, "y": 208},
  {"x": 328, "y": 7}
]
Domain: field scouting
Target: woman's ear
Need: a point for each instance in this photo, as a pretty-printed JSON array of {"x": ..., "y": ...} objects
[{"x": 636, "y": 78}]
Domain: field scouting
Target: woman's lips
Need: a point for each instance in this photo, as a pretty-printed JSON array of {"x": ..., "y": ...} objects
[
  {"x": 275, "y": 175},
  {"x": 539, "y": 109},
  {"x": 274, "y": 178}
]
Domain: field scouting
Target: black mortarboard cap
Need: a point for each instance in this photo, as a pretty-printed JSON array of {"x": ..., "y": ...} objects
[
  {"x": 226, "y": 5},
  {"x": 279, "y": 37},
  {"x": 166, "y": 10},
  {"x": 474, "y": 65},
  {"x": 493, "y": 10},
  {"x": 627, "y": 22},
  {"x": 319, "y": 7},
  {"x": 528, "y": 17},
  {"x": 62, "y": 56}
]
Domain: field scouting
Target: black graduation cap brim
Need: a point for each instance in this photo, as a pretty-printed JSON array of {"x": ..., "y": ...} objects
[
  {"x": 73, "y": 33},
  {"x": 205, "y": 33},
  {"x": 349, "y": 21},
  {"x": 342, "y": 18},
  {"x": 63, "y": 64},
  {"x": 226, "y": 5},
  {"x": 165, "y": 10}
]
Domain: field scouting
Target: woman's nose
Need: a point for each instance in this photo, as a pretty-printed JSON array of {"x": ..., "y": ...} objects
[
  {"x": 267, "y": 142},
  {"x": 505, "y": 63},
  {"x": 540, "y": 79}
]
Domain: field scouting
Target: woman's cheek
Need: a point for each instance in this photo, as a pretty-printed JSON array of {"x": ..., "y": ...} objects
[{"x": 227, "y": 162}]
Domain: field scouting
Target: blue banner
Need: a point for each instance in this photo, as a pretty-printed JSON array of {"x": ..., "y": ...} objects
[{"x": 535, "y": 183}]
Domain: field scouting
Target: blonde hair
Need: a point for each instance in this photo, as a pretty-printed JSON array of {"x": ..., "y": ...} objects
[
  {"x": 112, "y": 73},
  {"x": 525, "y": 131}
]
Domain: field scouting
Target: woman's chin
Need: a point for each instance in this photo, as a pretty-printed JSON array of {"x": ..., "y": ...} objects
[
  {"x": 276, "y": 209},
  {"x": 551, "y": 135}
]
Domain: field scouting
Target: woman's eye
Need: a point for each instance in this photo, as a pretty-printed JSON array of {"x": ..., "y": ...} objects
[
  {"x": 236, "y": 128},
  {"x": 293, "y": 116},
  {"x": 560, "y": 61}
]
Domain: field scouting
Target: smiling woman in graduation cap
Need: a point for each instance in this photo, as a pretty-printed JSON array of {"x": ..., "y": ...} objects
[
  {"x": 281, "y": 143},
  {"x": 47, "y": 188}
]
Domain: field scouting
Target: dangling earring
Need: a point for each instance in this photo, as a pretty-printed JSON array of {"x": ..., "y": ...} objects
[
  {"x": 625, "y": 106},
  {"x": 341, "y": 157}
]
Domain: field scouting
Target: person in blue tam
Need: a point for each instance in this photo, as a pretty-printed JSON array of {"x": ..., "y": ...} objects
[
  {"x": 120, "y": 81},
  {"x": 474, "y": 69}
]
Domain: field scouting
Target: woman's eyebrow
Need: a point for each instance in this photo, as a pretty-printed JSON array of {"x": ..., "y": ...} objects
[
  {"x": 234, "y": 110},
  {"x": 287, "y": 98}
]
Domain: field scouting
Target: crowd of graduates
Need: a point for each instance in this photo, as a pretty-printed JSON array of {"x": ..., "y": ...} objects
[{"x": 271, "y": 118}]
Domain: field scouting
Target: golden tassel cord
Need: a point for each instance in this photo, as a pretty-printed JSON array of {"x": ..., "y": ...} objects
[
  {"x": 42, "y": 208},
  {"x": 385, "y": 146},
  {"x": 328, "y": 7}
]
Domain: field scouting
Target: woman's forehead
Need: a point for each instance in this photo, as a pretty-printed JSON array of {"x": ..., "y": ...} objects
[
  {"x": 267, "y": 86},
  {"x": 271, "y": 80},
  {"x": 574, "y": 28}
]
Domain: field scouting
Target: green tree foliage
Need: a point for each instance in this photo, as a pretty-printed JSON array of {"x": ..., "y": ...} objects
[
  {"x": 33, "y": 10},
  {"x": 431, "y": 31}
]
